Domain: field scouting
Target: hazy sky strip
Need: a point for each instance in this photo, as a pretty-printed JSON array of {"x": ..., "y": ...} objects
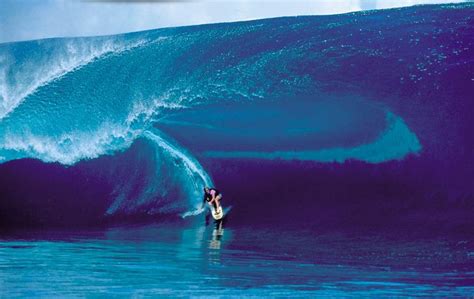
[{"x": 34, "y": 19}]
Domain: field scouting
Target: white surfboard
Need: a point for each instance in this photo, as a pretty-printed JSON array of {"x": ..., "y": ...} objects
[
  {"x": 217, "y": 214},
  {"x": 220, "y": 213}
]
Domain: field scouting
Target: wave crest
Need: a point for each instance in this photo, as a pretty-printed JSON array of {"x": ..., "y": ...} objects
[{"x": 24, "y": 67}]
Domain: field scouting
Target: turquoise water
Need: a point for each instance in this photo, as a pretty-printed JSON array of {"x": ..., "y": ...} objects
[{"x": 198, "y": 260}]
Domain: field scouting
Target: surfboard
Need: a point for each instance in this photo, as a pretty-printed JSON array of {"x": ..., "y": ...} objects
[
  {"x": 217, "y": 214},
  {"x": 220, "y": 213}
]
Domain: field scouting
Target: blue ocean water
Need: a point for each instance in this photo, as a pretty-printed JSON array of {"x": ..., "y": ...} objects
[
  {"x": 177, "y": 260},
  {"x": 343, "y": 144}
]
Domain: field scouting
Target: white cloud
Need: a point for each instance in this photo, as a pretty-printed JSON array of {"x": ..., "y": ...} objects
[
  {"x": 22, "y": 20},
  {"x": 381, "y": 4}
]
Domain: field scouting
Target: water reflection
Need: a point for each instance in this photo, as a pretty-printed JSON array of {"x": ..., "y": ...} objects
[
  {"x": 195, "y": 259},
  {"x": 217, "y": 235},
  {"x": 215, "y": 243}
]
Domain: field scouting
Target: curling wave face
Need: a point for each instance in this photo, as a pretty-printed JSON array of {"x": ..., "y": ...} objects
[{"x": 325, "y": 89}]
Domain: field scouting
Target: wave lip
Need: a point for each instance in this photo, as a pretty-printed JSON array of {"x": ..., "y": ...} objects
[{"x": 27, "y": 66}]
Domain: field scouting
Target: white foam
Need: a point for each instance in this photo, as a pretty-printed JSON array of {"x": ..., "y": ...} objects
[
  {"x": 191, "y": 165},
  {"x": 144, "y": 111},
  {"x": 195, "y": 212},
  {"x": 17, "y": 82},
  {"x": 71, "y": 147},
  {"x": 3, "y": 84}
]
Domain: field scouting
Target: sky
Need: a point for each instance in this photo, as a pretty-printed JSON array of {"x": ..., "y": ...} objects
[{"x": 35, "y": 19}]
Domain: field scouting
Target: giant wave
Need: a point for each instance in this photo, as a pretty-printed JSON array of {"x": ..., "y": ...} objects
[{"x": 134, "y": 117}]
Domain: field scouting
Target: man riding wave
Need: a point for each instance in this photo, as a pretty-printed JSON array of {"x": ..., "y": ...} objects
[{"x": 212, "y": 196}]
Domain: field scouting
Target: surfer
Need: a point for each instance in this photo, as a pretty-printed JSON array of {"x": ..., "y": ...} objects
[{"x": 213, "y": 197}]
